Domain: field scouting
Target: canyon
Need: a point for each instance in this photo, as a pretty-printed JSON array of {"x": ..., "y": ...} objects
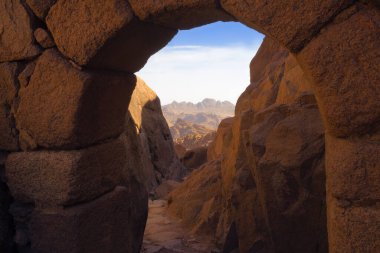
[{"x": 84, "y": 143}]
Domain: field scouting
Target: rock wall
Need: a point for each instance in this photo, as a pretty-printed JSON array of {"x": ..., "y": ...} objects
[
  {"x": 266, "y": 165},
  {"x": 155, "y": 148}
]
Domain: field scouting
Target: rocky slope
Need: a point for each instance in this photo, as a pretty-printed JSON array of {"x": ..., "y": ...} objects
[
  {"x": 154, "y": 145},
  {"x": 207, "y": 113},
  {"x": 182, "y": 128},
  {"x": 263, "y": 187}
]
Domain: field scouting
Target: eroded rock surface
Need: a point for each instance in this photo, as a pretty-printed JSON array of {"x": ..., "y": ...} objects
[
  {"x": 180, "y": 14},
  {"x": 16, "y": 30},
  {"x": 156, "y": 148},
  {"x": 105, "y": 34}
]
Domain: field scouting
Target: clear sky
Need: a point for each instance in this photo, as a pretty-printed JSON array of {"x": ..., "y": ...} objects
[{"x": 211, "y": 61}]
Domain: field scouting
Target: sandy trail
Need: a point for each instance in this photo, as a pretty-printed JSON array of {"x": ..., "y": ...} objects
[{"x": 165, "y": 234}]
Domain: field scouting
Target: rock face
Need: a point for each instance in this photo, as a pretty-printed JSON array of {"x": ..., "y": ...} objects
[
  {"x": 70, "y": 100},
  {"x": 266, "y": 165},
  {"x": 194, "y": 158},
  {"x": 116, "y": 37},
  {"x": 16, "y": 26},
  {"x": 61, "y": 91},
  {"x": 157, "y": 151}
]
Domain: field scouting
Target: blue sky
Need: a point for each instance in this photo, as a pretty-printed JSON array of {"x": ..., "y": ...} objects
[{"x": 210, "y": 61}]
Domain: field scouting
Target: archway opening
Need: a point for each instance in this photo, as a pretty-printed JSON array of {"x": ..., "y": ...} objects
[
  {"x": 222, "y": 171},
  {"x": 68, "y": 69}
]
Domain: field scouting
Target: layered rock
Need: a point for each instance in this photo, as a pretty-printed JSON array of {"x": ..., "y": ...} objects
[{"x": 271, "y": 188}]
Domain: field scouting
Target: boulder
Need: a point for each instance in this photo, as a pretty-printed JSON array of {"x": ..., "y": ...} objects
[
  {"x": 194, "y": 158},
  {"x": 44, "y": 38},
  {"x": 63, "y": 107},
  {"x": 180, "y": 150},
  {"x": 292, "y": 23},
  {"x": 16, "y": 29},
  {"x": 108, "y": 224},
  {"x": 70, "y": 177},
  {"x": 179, "y": 14},
  {"x": 105, "y": 35},
  {"x": 349, "y": 101}
]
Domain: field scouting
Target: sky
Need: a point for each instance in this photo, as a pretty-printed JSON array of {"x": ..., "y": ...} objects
[{"x": 211, "y": 61}]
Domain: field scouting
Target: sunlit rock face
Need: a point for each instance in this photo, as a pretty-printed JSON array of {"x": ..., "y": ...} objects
[
  {"x": 154, "y": 145},
  {"x": 266, "y": 165}
]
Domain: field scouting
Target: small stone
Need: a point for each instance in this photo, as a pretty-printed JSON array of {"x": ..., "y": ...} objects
[{"x": 44, "y": 38}]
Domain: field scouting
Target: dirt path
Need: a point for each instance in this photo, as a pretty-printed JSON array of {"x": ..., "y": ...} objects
[{"x": 164, "y": 234}]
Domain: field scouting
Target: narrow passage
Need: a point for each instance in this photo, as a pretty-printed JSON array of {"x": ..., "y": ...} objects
[{"x": 165, "y": 234}]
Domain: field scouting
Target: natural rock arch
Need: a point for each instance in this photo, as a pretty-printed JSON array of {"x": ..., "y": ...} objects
[{"x": 76, "y": 97}]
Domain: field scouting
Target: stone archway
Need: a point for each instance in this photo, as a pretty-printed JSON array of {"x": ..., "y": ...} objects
[{"x": 70, "y": 107}]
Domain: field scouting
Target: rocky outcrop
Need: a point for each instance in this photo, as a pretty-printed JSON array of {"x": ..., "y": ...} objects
[
  {"x": 197, "y": 201},
  {"x": 270, "y": 192},
  {"x": 156, "y": 149},
  {"x": 194, "y": 158}
]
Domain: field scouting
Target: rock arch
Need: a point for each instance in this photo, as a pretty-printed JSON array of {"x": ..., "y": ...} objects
[{"x": 68, "y": 104}]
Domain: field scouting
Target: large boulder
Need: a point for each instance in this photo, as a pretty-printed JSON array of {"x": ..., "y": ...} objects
[
  {"x": 180, "y": 14},
  {"x": 105, "y": 34},
  {"x": 70, "y": 177},
  {"x": 350, "y": 99},
  {"x": 194, "y": 158},
  {"x": 108, "y": 224},
  {"x": 64, "y": 107},
  {"x": 292, "y": 23},
  {"x": 16, "y": 29}
]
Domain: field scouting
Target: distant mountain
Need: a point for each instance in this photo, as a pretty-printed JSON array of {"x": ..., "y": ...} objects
[
  {"x": 208, "y": 105},
  {"x": 207, "y": 113}
]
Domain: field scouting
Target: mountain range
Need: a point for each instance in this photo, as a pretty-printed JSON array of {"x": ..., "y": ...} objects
[{"x": 207, "y": 113}]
